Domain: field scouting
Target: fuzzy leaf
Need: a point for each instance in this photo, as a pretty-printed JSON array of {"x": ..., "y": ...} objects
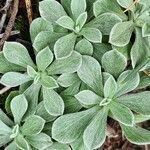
[
  {"x": 12, "y": 146},
  {"x": 64, "y": 46},
  {"x": 104, "y": 22},
  {"x": 92, "y": 34},
  {"x": 31, "y": 72},
  {"x": 66, "y": 22},
  {"x": 125, "y": 3},
  {"x": 39, "y": 25},
  {"x": 110, "y": 88},
  {"x": 78, "y": 7},
  {"x": 84, "y": 47},
  {"x": 53, "y": 103},
  {"x": 104, "y": 6},
  {"x": 137, "y": 135},
  {"x": 94, "y": 135},
  {"x": 33, "y": 125},
  {"x": 58, "y": 146},
  {"x": 51, "y": 10},
  {"x": 40, "y": 141},
  {"x": 66, "y": 65},
  {"x": 16, "y": 53},
  {"x": 138, "y": 102},
  {"x": 146, "y": 30},
  {"x": 19, "y": 107},
  {"x": 4, "y": 129},
  {"x": 121, "y": 33},
  {"x": 87, "y": 97},
  {"x": 68, "y": 128},
  {"x": 116, "y": 64},
  {"x": 90, "y": 73},
  {"x": 13, "y": 79},
  {"x": 122, "y": 113},
  {"x": 4, "y": 139}
]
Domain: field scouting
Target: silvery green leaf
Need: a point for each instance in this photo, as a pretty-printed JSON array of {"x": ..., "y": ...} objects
[
  {"x": 41, "y": 111},
  {"x": 81, "y": 20},
  {"x": 16, "y": 53},
  {"x": 12, "y": 146},
  {"x": 125, "y": 3},
  {"x": 5, "y": 119},
  {"x": 4, "y": 129},
  {"x": 6, "y": 66},
  {"x": 53, "y": 103},
  {"x": 104, "y": 6},
  {"x": 13, "y": 79},
  {"x": 92, "y": 34},
  {"x": 66, "y": 65},
  {"x": 78, "y": 7},
  {"x": 138, "y": 102},
  {"x": 33, "y": 125},
  {"x": 141, "y": 118},
  {"x": 66, "y": 22},
  {"x": 21, "y": 143},
  {"x": 18, "y": 107},
  {"x": 40, "y": 141},
  {"x": 136, "y": 135},
  {"x": 121, "y": 33},
  {"x": 87, "y": 97},
  {"x": 46, "y": 38},
  {"x": 58, "y": 146},
  {"x": 90, "y": 73},
  {"x": 122, "y": 113},
  {"x": 44, "y": 59},
  {"x": 68, "y": 128},
  {"x": 51, "y": 10},
  {"x": 84, "y": 47},
  {"x": 104, "y": 22},
  {"x": 31, "y": 72},
  {"x": 67, "y": 6},
  {"x": 64, "y": 46},
  {"x": 49, "y": 82},
  {"x": 140, "y": 50},
  {"x": 116, "y": 64},
  {"x": 68, "y": 79},
  {"x": 129, "y": 85},
  {"x": 39, "y": 25},
  {"x": 32, "y": 95},
  {"x": 100, "y": 49},
  {"x": 94, "y": 135},
  {"x": 4, "y": 139},
  {"x": 110, "y": 88}
]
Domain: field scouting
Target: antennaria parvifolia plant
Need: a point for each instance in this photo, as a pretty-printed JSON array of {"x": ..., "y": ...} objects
[{"x": 89, "y": 64}]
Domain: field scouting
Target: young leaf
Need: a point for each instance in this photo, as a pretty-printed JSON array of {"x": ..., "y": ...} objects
[
  {"x": 121, "y": 33},
  {"x": 16, "y": 53},
  {"x": 51, "y": 10},
  {"x": 53, "y": 103},
  {"x": 68, "y": 128},
  {"x": 40, "y": 141},
  {"x": 146, "y": 30},
  {"x": 110, "y": 88},
  {"x": 66, "y": 65},
  {"x": 116, "y": 64},
  {"x": 87, "y": 97},
  {"x": 136, "y": 135},
  {"x": 125, "y": 3},
  {"x": 64, "y": 46},
  {"x": 138, "y": 102},
  {"x": 122, "y": 113},
  {"x": 104, "y": 22},
  {"x": 94, "y": 135},
  {"x": 13, "y": 79},
  {"x": 84, "y": 47},
  {"x": 31, "y": 72},
  {"x": 78, "y": 7},
  {"x": 90, "y": 73},
  {"x": 104, "y": 6},
  {"x": 92, "y": 34},
  {"x": 66, "y": 22},
  {"x": 39, "y": 25},
  {"x": 58, "y": 146},
  {"x": 81, "y": 20},
  {"x": 19, "y": 107},
  {"x": 4, "y": 129},
  {"x": 33, "y": 125},
  {"x": 44, "y": 59}
]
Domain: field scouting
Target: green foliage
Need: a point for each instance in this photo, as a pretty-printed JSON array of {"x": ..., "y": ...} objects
[{"x": 88, "y": 65}]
